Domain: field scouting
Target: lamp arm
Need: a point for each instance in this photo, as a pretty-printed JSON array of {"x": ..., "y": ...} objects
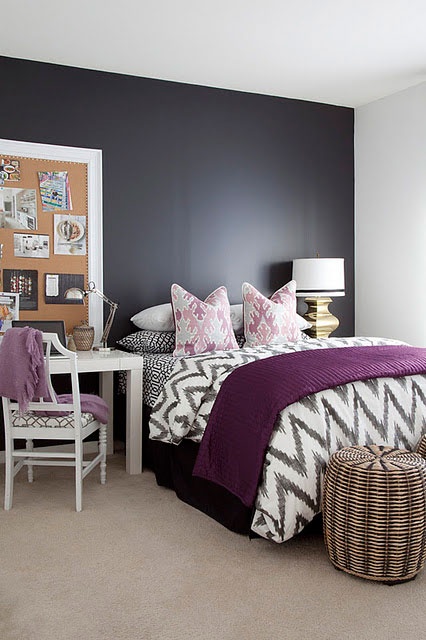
[
  {"x": 108, "y": 324},
  {"x": 113, "y": 308},
  {"x": 102, "y": 296}
]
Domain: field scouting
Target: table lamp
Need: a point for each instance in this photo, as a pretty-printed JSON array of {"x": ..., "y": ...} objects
[
  {"x": 75, "y": 293},
  {"x": 318, "y": 279}
]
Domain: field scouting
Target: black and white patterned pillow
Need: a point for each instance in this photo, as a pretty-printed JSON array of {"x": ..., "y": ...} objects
[
  {"x": 156, "y": 370},
  {"x": 146, "y": 341},
  {"x": 240, "y": 340}
]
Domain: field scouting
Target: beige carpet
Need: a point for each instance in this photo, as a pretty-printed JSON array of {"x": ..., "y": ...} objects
[{"x": 139, "y": 564}]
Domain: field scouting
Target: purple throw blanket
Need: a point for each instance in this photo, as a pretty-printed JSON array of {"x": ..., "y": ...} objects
[
  {"x": 237, "y": 435},
  {"x": 22, "y": 373},
  {"x": 89, "y": 404}
]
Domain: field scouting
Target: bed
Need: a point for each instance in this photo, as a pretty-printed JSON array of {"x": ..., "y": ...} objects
[
  {"x": 245, "y": 410},
  {"x": 180, "y": 392}
]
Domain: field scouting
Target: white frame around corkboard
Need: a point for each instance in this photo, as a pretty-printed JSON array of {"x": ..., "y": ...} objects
[{"x": 93, "y": 159}]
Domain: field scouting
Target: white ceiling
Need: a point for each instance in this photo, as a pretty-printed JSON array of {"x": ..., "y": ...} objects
[{"x": 344, "y": 52}]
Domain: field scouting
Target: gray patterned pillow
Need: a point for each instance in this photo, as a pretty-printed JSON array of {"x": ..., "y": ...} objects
[{"x": 148, "y": 342}]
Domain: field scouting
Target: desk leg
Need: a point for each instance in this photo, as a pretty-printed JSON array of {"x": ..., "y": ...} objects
[
  {"x": 134, "y": 421},
  {"x": 107, "y": 393}
]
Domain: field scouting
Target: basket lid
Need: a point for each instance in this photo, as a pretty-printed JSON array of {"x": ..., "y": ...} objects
[{"x": 378, "y": 458}]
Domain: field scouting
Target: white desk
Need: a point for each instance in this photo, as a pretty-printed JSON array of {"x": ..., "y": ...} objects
[{"x": 106, "y": 364}]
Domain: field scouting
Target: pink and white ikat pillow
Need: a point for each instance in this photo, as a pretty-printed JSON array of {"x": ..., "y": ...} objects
[
  {"x": 202, "y": 326},
  {"x": 270, "y": 320}
]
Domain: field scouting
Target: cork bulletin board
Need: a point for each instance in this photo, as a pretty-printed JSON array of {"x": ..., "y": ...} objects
[{"x": 44, "y": 232}]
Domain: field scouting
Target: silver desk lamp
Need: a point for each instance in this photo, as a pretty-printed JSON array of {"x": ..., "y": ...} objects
[{"x": 80, "y": 294}]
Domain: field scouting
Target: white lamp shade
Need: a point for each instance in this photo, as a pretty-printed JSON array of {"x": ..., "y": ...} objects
[{"x": 317, "y": 277}]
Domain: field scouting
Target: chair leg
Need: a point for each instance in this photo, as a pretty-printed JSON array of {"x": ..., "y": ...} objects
[
  {"x": 30, "y": 466},
  {"x": 8, "y": 488},
  {"x": 78, "y": 475},
  {"x": 103, "y": 450}
]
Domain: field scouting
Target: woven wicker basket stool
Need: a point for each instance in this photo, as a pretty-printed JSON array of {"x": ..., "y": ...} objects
[
  {"x": 421, "y": 446},
  {"x": 374, "y": 512}
]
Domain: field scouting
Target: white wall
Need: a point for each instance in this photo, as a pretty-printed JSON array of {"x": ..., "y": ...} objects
[{"x": 390, "y": 219}]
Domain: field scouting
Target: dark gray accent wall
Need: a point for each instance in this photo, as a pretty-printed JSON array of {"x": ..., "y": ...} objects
[{"x": 202, "y": 186}]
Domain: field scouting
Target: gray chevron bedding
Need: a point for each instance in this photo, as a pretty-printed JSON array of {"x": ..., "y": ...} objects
[{"x": 382, "y": 411}]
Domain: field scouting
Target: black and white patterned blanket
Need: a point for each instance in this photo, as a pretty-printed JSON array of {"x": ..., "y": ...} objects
[{"x": 383, "y": 411}]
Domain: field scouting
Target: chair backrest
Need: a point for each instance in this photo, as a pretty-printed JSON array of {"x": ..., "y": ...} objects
[{"x": 43, "y": 404}]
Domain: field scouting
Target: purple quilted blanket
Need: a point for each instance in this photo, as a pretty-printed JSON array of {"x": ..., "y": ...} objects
[{"x": 233, "y": 447}]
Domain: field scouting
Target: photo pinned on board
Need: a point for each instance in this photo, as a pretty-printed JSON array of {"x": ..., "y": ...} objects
[
  {"x": 55, "y": 191},
  {"x": 30, "y": 245},
  {"x": 18, "y": 208},
  {"x": 10, "y": 170},
  {"x": 69, "y": 235},
  {"x": 9, "y": 310},
  {"x": 24, "y": 282}
]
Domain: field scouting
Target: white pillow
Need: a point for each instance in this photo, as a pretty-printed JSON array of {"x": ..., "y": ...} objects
[
  {"x": 302, "y": 323},
  {"x": 237, "y": 318},
  {"x": 160, "y": 318}
]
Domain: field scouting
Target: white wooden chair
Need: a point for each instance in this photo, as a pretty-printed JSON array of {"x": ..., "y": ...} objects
[{"x": 74, "y": 426}]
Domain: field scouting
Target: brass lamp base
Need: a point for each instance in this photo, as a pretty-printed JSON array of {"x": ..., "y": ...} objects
[{"x": 322, "y": 321}]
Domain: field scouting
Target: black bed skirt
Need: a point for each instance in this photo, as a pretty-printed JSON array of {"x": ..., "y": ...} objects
[{"x": 173, "y": 466}]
